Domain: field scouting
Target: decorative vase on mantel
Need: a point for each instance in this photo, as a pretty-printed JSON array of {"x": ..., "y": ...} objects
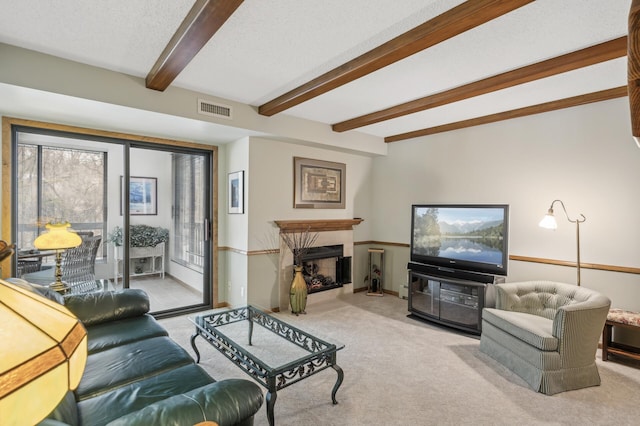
[{"x": 298, "y": 292}]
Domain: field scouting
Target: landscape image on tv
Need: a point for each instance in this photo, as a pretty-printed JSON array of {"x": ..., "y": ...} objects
[{"x": 468, "y": 234}]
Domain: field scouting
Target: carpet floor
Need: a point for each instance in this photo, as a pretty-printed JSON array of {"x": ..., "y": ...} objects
[{"x": 399, "y": 371}]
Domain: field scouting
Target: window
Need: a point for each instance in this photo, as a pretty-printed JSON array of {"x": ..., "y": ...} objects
[
  {"x": 59, "y": 184},
  {"x": 189, "y": 186}
]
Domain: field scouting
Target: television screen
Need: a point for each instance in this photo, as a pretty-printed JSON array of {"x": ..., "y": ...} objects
[{"x": 468, "y": 237}]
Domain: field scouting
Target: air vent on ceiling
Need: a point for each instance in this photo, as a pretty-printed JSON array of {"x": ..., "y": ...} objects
[{"x": 213, "y": 109}]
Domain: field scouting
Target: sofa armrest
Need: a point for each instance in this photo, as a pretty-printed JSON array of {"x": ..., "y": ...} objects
[
  {"x": 227, "y": 402},
  {"x": 37, "y": 288},
  {"x": 52, "y": 422},
  {"x": 103, "y": 306},
  {"x": 578, "y": 328},
  {"x": 66, "y": 413}
]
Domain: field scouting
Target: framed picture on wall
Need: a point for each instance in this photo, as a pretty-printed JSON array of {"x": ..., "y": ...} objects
[
  {"x": 236, "y": 192},
  {"x": 318, "y": 184},
  {"x": 143, "y": 195}
]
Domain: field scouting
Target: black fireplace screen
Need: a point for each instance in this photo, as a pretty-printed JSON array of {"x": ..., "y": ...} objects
[{"x": 325, "y": 268}]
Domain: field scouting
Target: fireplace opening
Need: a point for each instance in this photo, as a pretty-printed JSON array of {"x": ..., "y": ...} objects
[{"x": 326, "y": 267}]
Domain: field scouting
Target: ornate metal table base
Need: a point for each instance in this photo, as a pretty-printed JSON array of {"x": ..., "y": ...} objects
[{"x": 321, "y": 354}]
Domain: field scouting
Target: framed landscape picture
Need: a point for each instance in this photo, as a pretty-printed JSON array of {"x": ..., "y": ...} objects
[
  {"x": 318, "y": 184},
  {"x": 236, "y": 192},
  {"x": 143, "y": 195}
]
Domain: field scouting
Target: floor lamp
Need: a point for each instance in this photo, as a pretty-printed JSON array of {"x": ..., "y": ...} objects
[
  {"x": 59, "y": 239},
  {"x": 549, "y": 222}
]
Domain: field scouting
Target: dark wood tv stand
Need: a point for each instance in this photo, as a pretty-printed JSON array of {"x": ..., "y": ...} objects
[{"x": 450, "y": 297}]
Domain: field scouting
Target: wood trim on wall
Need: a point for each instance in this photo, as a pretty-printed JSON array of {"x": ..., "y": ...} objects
[
  {"x": 261, "y": 252},
  {"x": 232, "y": 250},
  {"x": 518, "y": 258},
  {"x": 382, "y": 243},
  {"x": 249, "y": 252},
  {"x": 595, "y": 266},
  {"x": 8, "y": 122}
]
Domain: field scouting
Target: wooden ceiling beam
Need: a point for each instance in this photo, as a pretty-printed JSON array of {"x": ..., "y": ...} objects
[
  {"x": 464, "y": 17},
  {"x": 581, "y": 58},
  {"x": 204, "y": 19},
  {"x": 588, "y": 98}
]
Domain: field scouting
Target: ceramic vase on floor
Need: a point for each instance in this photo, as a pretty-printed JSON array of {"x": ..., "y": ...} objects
[{"x": 298, "y": 292}]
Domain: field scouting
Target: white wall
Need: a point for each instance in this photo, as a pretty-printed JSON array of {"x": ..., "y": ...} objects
[
  {"x": 232, "y": 286},
  {"x": 271, "y": 187},
  {"x": 270, "y": 198},
  {"x": 236, "y": 158},
  {"x": 583, "y": 155}
]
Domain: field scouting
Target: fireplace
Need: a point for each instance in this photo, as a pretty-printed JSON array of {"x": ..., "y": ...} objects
[
  {"x": 331, "y": 257},
  {"x": 326, "y": 267}
]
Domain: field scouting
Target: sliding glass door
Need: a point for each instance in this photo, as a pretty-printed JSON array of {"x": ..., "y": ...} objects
[
  {"x": 149, "y": 204},
  {"x": 169, "y": 223}
]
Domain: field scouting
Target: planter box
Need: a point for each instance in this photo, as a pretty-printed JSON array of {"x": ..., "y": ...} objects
[{"x": 145, "y": 260}]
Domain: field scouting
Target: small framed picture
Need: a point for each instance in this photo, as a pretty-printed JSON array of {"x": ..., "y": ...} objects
[
  {"x": 143, "y": 195},
  {"x": 236, "y": 192}
]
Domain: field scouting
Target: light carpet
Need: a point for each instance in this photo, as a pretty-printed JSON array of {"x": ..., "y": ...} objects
[{"x": 399, "y": 371}]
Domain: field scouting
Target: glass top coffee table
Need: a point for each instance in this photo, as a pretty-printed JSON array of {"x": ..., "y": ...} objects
[{"x": 276, "y": 355}]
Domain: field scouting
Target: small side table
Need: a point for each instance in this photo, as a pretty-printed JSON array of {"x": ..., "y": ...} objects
[
  {"x": 376, "y": 272},
  {"x": 622, "y": 319}
]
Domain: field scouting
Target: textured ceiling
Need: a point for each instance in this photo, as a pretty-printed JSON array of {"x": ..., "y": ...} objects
[{"x": 268, "y": 47}]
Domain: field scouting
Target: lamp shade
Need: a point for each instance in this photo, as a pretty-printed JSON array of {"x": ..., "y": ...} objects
[
  {"x": 44, "y": 352},
  {"x": 549, "y": 221},
  {"x": 58, "y": 237}
]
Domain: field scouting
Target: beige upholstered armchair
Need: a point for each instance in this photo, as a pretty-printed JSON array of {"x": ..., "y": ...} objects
[{"x": 546, "y": 332}]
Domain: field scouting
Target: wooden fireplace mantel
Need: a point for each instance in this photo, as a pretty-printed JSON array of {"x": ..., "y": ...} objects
[{"x": 288, "y": 226}]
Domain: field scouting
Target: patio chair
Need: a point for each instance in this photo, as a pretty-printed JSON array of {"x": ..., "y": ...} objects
[
  {"x": 26, "y": 266},
  {"x": 78, "y": 267}
]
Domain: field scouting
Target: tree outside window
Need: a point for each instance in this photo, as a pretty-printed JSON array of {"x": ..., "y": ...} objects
[{"x": 59, "y": 184}]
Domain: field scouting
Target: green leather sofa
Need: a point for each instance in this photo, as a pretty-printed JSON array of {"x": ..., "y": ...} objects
[{"x": 136, "y": 375}]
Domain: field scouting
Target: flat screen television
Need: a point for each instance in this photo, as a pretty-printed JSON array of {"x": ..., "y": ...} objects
[{"x": 466, "y": 237}]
